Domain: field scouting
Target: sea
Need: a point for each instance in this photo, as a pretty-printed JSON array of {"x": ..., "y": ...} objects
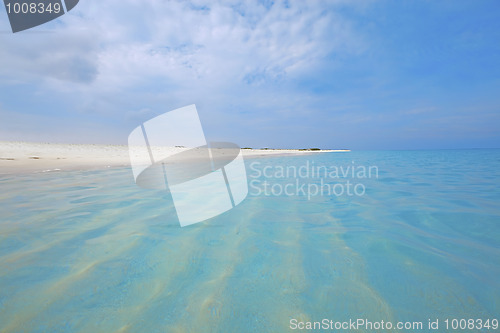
[{"x": 361, "y": 241}]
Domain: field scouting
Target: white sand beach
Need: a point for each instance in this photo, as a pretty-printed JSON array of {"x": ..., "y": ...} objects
[{"x": 27, "y": 157}]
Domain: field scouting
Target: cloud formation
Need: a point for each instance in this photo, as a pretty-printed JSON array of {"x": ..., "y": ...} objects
[{"x": 261, "y": 72}]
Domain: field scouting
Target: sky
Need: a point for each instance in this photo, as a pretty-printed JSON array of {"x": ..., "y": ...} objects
[{"x": 282, "y": 74}]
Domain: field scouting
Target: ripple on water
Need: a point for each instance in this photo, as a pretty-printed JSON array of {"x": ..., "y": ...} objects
[{"x": 91, "y": 252}]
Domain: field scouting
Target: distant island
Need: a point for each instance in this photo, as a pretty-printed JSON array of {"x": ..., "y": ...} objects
[{"x": 299, "y": 149}]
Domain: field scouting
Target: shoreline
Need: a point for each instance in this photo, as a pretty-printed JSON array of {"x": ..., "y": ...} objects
[{"x": 28, "y": 157}]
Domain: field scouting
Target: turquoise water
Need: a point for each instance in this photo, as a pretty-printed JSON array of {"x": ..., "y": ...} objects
[{"x": 89, "y": 251}]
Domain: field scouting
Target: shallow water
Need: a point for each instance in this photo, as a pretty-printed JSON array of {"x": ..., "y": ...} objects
[{"x": 90, "y": 251}]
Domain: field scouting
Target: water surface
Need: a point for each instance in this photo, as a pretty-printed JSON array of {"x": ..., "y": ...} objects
[{"x": 89, "y": 251}]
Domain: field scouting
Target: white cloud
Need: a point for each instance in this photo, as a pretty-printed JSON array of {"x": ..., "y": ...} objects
[
  {"x": 130, "y": 41},
  {"x": 117, "y": 56}
]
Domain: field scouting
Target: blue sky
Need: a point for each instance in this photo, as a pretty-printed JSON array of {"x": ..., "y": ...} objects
[{"x": 329, "y": 74}]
